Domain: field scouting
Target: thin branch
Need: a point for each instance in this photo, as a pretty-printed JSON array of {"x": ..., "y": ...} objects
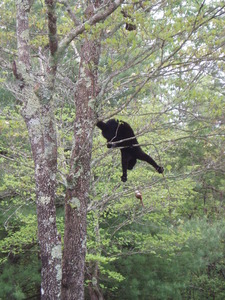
[
  {"x": 99, "y": 16},
  {"x": 70, "y": 12}
]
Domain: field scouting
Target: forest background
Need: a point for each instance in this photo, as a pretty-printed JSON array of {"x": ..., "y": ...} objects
[{"x": 160, "y": 66}]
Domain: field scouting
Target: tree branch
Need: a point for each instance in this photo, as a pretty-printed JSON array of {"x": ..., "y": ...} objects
[
  {"x": 52, "y": 26},
  {"x": 70, "y": 12},
  {"x": 22, "y": 31},
  {"x": 53, "y": 41},
  {"x": 101, "y": 15}
]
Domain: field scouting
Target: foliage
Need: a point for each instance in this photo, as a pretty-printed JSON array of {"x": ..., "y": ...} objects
[
  {"x": 191, "y": 269},
  {"x": 20, "y": 278},
  {"x": 166, "y": 79}
]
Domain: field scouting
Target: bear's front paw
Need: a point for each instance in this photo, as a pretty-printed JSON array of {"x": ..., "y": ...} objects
[{"x": 160, "y": 170}]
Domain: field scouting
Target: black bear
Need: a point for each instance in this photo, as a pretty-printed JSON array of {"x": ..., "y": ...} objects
[{"x": 120, "y": 134}]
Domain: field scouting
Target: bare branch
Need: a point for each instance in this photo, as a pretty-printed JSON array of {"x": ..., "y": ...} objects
[
  {"x": 70, "y": 13},
  {"x": 99, "y": 16}
]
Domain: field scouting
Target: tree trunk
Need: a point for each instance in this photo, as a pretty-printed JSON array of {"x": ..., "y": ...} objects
[
  {"x": 38, "y": 114},
  {"x": 44, "y": 150},
  {"x": 79, "y": 178}
]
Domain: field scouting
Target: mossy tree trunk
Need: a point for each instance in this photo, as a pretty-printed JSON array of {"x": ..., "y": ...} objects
[{"x": 38, "y": 114}]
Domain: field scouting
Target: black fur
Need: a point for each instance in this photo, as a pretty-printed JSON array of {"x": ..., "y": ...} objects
[{"x": 120, "y": 134}]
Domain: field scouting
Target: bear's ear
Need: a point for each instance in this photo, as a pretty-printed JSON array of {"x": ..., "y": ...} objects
[{"x": 103, "y": 126}]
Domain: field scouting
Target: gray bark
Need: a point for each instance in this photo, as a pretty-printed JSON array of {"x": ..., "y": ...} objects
[{"x": 38, "y": 114}]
